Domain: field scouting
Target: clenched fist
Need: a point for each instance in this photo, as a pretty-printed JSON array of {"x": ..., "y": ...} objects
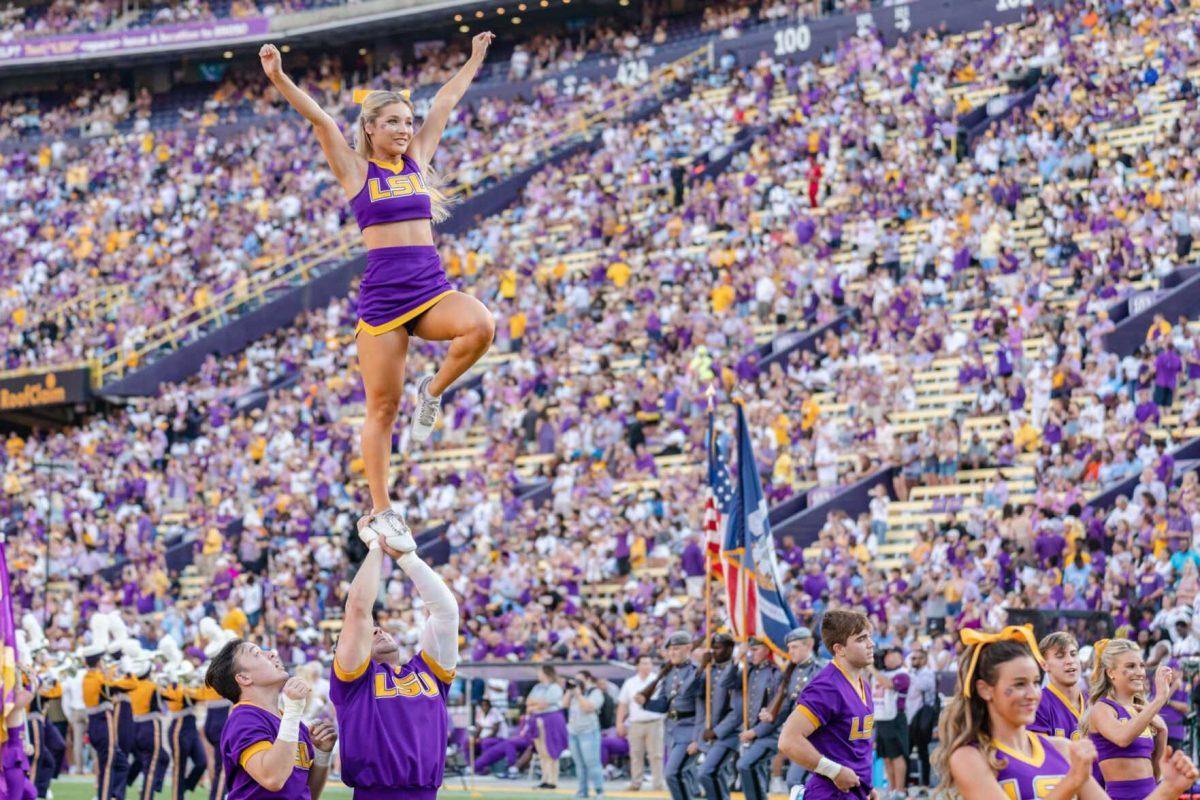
[{"x": 272, "y": 61}]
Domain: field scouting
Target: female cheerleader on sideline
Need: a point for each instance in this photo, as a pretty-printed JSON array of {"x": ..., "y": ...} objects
[
  {"x": 404, "y": 290},
  {"x": 1129, "y": 735},
  {"x": 987, "y": 751}
]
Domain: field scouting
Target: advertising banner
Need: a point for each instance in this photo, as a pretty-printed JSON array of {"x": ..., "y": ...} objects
[
  {"x": 53, "y": 388},
  {"x": 83, "y": 46}
]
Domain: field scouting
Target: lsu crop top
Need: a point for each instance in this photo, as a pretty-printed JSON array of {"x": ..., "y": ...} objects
[
  {"x": 1141, "y": 747},
  {"x": 391, "y": 193}
]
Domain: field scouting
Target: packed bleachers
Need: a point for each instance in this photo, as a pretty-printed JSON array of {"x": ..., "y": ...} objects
[{"x": 970, "y": 298}]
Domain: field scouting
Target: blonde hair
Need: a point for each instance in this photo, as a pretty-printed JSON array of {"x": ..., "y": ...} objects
[
  {"x": 1107, "y": 653},
  {"x": 966, "y": 720},
  {"x": 372, "y": 105}
]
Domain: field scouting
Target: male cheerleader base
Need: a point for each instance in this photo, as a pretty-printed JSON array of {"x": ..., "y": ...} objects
[
  {"x": 251, "y": 730},
  {"x": 393, "y": 716},
  {"x": 400, "y": 283}
]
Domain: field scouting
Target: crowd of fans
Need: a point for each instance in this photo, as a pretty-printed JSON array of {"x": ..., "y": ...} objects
[
  {"x": 93, "y": 260},
  {"x": 25, "y": 20},
  {"x": 621, "y": 297}
]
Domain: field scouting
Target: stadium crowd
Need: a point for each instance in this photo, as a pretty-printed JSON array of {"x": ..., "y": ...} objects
[{"x": 620, "y": 297}]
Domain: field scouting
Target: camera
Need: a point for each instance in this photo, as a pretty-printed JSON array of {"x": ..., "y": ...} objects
[{"x": 571, "y": 683}]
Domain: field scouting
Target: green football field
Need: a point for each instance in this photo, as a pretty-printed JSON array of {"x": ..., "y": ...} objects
[{"x": 76, "y": 788}]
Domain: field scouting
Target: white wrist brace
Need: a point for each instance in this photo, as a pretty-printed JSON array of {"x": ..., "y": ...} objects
[
  {"x": 323, "y": 757},
  {"x": 289, "y": 726},
  {"x": 828, "y": 767}
]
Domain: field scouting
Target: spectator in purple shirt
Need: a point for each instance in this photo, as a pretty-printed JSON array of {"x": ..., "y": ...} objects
[{"x": 1167, "y": 366}]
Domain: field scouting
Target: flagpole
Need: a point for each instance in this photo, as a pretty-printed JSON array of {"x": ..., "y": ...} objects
[
  {"x": 743, "y": 586},
  {"x": 743, "y": 591},
  {"x": 708, "y": 667}
]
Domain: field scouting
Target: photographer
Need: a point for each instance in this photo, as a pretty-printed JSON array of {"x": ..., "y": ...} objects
[{"x": 584, "y": 699}]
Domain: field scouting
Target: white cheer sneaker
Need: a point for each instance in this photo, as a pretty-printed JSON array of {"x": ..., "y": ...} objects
[
  {"x": 388, "y": 527},
  {"x": 426, "y": 413}
]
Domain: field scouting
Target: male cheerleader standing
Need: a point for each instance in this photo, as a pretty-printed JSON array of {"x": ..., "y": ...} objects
[
  {"x": 829, "y": 733},
  {"x": 268, "y": 754},
  {"x": 1062, "y": 704}
]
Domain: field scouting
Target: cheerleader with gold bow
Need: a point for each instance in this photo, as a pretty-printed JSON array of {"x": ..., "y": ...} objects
[{"x": 987, "y": 750}]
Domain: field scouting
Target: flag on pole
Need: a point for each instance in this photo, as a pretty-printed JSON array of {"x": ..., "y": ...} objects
[
  {"x": 718, "y": 498},
  {"x": 8, "y": 637},
  {"x": 758, "y": 604}
]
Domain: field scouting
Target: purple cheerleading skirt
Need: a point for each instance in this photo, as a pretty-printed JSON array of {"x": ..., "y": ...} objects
[
  {"x": 552, "y": 730},
  {"x": 1131, "y": 790},
  {"x": 399, "y": 285}
]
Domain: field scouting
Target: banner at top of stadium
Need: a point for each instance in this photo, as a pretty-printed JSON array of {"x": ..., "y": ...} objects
[
  {"x": 789, "y": 41},
  {"x": 135, "y": 40}
]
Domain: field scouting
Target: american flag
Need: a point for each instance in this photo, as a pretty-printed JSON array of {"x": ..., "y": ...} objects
[{"x": 718, "y": 498}]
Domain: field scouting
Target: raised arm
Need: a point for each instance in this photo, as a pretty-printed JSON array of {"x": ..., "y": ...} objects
[
  {"x": 270, "y": 763},
  {"x": 1124, "y": 733},
  {"x": 348, "y": 167},
  {"x": 439, "y": 637},
  {"x": 425, "y": 143},
  {"x": 358, "y": 624}
]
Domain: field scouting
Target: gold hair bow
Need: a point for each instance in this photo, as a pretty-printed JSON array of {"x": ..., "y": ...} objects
[
  {"x": 362, "y": 94},
  {"x": 977, "y": 639},
  {"x": 1097, "y": 652}
]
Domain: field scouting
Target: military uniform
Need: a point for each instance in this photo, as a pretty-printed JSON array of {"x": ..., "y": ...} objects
[
  {"x": 726, "y": 725},
  {"x": 679, "y": 696},
  {"x": 800, "y": 677},
  {"x": 755, "y": 759}
]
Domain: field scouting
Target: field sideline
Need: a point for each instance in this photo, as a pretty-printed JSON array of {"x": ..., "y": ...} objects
[{"x": 79, "y": 788}]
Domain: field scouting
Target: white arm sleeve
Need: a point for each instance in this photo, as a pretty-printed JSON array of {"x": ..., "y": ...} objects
[{"x": 439, "y": 637}]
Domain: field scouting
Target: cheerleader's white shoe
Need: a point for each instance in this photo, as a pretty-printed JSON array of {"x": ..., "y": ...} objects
[{"x": 387, "y": 527}]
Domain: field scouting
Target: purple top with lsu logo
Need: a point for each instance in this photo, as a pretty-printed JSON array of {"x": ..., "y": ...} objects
[
  {"x": 844, "y": 716},
  {"x": 1141, "y": 747},
  {"x": 391, "y": 193},
  {"x": 394, "y": 727},
  {"x": 251, "y": 729},
  {"x": 1058, "y": 715},
  {"x": 1035, "y": 776}
]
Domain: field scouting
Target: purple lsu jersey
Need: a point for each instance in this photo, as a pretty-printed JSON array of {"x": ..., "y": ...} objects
[
  {"x": 391, "y": 193},
  {"x": 1058, "y": 715},
  {"x": 844, "y": 717},
  {"x": 252, "y": 729},
  {"x": 394, "y": 727},
  {"x": 1031, "y": 777}
]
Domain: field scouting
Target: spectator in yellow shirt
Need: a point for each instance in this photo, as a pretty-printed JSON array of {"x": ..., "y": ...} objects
[
  {"x": 516, "y": 329},
  {"x": 235, "y": 620},
  {"x": 1027, "y": 439},
  {"x": 1159, "y": 330},
  {"x": 722, "y": 298},
  {"x": 618, "y": 273}
]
